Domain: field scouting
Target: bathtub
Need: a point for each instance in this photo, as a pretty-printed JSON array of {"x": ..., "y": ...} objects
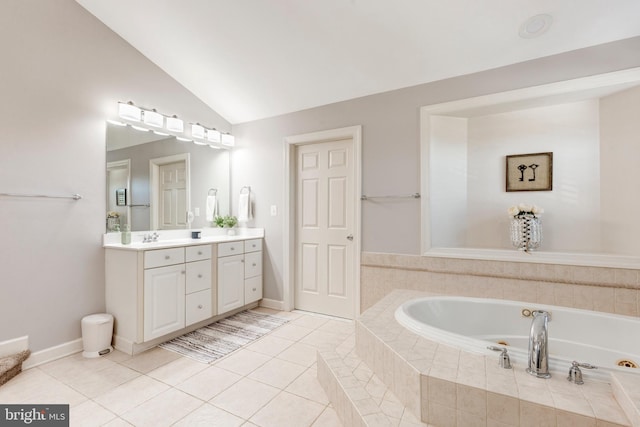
[{"x": 609, "y": 341}]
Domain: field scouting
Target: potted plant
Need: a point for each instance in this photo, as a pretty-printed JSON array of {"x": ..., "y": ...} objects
[{"x": 227, "y": 221}]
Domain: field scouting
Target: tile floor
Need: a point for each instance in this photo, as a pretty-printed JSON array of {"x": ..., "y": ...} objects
[{"x": 269, "y": 383}]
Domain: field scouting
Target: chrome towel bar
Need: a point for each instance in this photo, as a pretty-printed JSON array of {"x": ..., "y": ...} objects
[
  {"x": 407, "y": 196},
  {"x": 46, "y": 196}
]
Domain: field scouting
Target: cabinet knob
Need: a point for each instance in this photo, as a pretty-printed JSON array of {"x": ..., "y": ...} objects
[
  {"x": 199, "y": 252},
  {"x": 199, "y": 276},
  {"x": 200, "y": 306},
  {"x": 241, "y": 260},
  {"x": 167, "y": 257},
  {"x": 183, "y": 272},
  {"x": 254, "y": 289},
  {"x": 253, "y": 246},
  {"x": 254, "y": 264},
  {"x": 232, "y": 248}
]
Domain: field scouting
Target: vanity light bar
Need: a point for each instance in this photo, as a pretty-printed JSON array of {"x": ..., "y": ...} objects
[
  {"x": 153, "y": 118},
  {"x": 175, "y": 124},
  {"x": 129, "y": 112},
  {"x": 213, "y": 135},
  {"x": 228, "y": 140}
]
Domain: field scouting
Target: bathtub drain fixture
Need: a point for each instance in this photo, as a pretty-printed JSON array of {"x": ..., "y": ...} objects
[{"x": 627, "y": 363}]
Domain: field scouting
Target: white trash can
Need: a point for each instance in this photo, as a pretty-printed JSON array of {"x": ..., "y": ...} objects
[{"x": 97, "y": 330}]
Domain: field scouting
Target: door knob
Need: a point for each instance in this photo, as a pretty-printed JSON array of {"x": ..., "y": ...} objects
[{"x": 350, "y": 237}]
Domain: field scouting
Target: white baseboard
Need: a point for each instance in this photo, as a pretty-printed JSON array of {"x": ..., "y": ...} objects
[
  {"x": 14, "y": 346},
  {"x": 272, "y": 304},
  {"x": 52, "y": 353}
]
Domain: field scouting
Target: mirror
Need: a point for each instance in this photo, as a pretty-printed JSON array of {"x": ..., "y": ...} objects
[
  {"x": 165, "y": 183},
  {"x": 591, "y": 126}
]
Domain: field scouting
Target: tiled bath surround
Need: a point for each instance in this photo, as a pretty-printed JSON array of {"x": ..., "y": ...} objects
[
  {"x": 448, "y": 387},
  {"x": 611, "y": 290}
]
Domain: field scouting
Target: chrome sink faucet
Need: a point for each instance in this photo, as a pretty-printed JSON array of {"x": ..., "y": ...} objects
[
  {"x": 538, "y": 345},
  {"x": 148, "y": 238}
]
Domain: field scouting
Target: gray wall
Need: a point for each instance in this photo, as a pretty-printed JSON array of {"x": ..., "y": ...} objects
[
  {"x": 63, "y": 73},
  {"x": 391, "y": 147}
]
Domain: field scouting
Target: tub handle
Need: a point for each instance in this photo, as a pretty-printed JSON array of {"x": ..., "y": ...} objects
[
  {"x": 575, "y": 374},
  {"x": 503, "y": 360}
]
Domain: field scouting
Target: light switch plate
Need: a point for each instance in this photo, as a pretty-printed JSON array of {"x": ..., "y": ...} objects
[{"x": 274, "y": 210}]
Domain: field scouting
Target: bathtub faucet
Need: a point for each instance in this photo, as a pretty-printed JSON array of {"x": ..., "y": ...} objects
[{"x": 538, "y": 345}]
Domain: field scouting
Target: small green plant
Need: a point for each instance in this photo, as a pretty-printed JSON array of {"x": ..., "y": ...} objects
[{"x": 227, "y": 221}]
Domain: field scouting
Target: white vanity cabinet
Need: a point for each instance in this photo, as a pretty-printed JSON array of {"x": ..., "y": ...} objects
[
  {"x": 239, "y": 274},
  {"x": 156, "y": 292}
]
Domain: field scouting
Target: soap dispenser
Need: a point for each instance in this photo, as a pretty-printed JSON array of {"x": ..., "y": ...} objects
[{"x": 125, "y": 235}]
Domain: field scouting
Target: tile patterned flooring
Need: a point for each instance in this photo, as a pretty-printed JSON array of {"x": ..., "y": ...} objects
[{"x": 269, "y": 383}]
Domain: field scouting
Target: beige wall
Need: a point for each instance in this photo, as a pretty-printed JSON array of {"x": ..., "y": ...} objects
[
  {"x": 62, "y": 75},
  {"x": 391, "y": 155}
]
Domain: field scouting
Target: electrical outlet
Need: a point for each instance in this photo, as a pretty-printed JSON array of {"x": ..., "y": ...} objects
[{"x": 196, "y": 211}]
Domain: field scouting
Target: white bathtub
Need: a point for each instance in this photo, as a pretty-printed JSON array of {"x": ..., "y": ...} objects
[{"x": 601, "y": 339}]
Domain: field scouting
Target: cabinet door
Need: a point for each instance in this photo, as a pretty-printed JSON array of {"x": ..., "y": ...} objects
[
  {"x": 252, "y": 289},
  {"x": 253, "y": 264},
  {"x": 198, "y": 307},
  {"x": 230, "y": 283},
  {"x": 198, "y": 276},
  {"x": 163, "y": 300}
]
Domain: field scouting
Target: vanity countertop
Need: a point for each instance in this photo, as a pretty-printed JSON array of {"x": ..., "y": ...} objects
[{"x": 177, "y": 238}]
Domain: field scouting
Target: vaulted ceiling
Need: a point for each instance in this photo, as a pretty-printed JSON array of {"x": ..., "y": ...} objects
[{"x": 251, "y": 59}]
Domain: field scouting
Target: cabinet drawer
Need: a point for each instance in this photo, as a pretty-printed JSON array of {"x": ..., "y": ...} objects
[
  {"x": 253, "y": 264},
  {"x": 162, "y": 257},
  {"x": 198, "y": 253},
  {"x": 230, "y": 248},
  {"x": 198, "y": 307},
  {"x": 253, "y": 245},
  {"x": 198, "y": 276},
  {"x": 252, "y": 289}
]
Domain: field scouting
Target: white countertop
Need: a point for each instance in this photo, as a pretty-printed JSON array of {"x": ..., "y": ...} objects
[{"x": 177, "y": 238}]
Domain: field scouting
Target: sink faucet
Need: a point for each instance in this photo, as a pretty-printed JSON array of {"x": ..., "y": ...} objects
[
  {"x": 538, "y": 345},
  {"x": 148, "y": 238}
]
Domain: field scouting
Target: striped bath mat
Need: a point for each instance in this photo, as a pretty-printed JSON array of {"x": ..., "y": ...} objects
[{"x": 213, "y": 341}]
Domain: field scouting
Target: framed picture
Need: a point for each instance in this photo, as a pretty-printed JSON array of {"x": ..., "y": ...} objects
[{"x": 530, "y": 172}]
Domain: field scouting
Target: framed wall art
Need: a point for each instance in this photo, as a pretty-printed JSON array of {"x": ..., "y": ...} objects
[{"x": 529, "y": 172}]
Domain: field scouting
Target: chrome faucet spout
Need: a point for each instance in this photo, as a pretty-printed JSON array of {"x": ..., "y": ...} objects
[{"x": 538, "y": 345}]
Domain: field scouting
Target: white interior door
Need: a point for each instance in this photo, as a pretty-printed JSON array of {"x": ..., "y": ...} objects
[
  {"x": 172, "y": 196},
  {"x": 324, "y": 247}
]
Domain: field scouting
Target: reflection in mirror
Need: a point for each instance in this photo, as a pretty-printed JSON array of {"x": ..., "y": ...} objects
[
  {"x": 137, "y": 160},
  {"x": 592, "y": 133}
]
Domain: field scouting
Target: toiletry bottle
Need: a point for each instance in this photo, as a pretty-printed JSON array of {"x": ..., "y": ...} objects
[{"x": 125, "y": 235}]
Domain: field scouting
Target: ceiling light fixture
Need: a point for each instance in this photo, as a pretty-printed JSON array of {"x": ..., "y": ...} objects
[{"x": 535, "y": 26}]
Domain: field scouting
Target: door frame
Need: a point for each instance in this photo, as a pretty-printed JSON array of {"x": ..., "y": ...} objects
[
  {"x": 289, "y": 229},
  {"x": 154, "y": 181},
  {"x": 122, "y": 164}
]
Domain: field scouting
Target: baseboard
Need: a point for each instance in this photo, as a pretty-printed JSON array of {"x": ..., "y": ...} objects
[
  {"x": 14, "y": 346},
  {"x": 272, "y": 304},
  {"x": 52, "y": 353}
]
